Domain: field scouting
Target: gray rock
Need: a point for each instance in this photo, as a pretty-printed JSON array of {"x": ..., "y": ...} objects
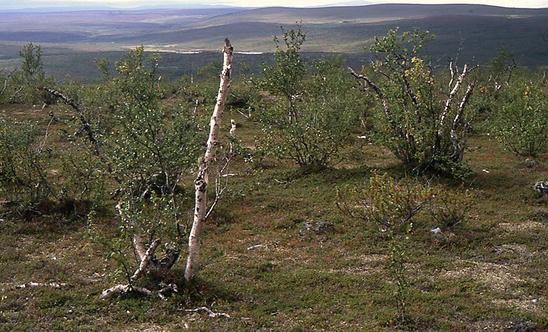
[
  {"x": 541, "y": 187},
  {"x": 316, "y": 227},
  {"x": 520, "y": 325}
]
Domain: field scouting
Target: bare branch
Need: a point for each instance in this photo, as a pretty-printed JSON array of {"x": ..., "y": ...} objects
[
  {"x": 195, "y": 111},
  {"x": 382, "y": 97},
  {"x": 449, "y": 101},
  {"x": 453, "y": 70},
  {"x": 124, "y": 290},
  {"x": 458, "y": 148},
  {"x": 42, "y": 284},
  {"x": 46, "y": 134},
  {"x": 5, "y": 87},
  {"x": 209, "y": 312},
  {"x": 85, "y": 123},
  {"x": 409, "y": 90}
]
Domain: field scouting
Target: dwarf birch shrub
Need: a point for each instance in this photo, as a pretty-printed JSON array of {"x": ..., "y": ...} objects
[
  {"x": 521, "y": 121},
  {"x": 308, "y": 111},
  {"x": 392, "y": 206},
  {"x": 23, "y": 164},
  {"x": 147, "y": 152},
  {"x": 422, "y": 118}
]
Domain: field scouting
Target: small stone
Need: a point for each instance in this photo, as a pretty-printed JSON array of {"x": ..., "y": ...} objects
[
  {"x": 541, "y": 187},
  {"x": 436, "y": 230},
  {"x": 317, "y": 227},
  {"x": 531, "y": 162}
]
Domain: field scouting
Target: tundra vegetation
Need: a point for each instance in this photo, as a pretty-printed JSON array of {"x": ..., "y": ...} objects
[{"x": 418, "y": 170}]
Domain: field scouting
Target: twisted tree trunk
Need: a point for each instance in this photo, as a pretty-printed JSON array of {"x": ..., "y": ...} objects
[{"x": 200, "y": 184}]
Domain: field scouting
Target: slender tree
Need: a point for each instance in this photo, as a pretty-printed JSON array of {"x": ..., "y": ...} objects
[{"x": 201, "y": 181}]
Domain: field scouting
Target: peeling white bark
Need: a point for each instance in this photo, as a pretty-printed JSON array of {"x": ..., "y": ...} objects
[
  {"x": 452, "y": 94},
  {"x": 201, "y": 181},
  {"x": 145, "y": 261},
  {"x": 121, "y": 290}
]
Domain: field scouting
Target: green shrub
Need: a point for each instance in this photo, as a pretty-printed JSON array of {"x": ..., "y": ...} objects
[
  {"x": 521, "y": 121},
  {"x": 450, "y": 207},
  {"x": 421, "y": 118},
  {"x": 147, "y": 150},
  {"x": 393, "y": 206},
  {"x": 308, "y": 112},
  {"x": 23, "y": 164}
]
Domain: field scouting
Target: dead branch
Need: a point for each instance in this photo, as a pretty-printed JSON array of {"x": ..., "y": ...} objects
[
  {"x": 232, "y": 127},
  {"x": 410, "y": 92},
  {"x": 450, "y": 98},
  {"x": 85, "y": 123},
  {"x": 42, "y": 284},
  {"x": 449, "y": 101},
  {"x": 5, "y": 87},
  {"x": 128, "y": 290},
  {"x": 453, "y": 70},
  {"x": 457, "y": 148},
  {"x": 195, "y": 111},
  {"x": 53, "y": 118},
  {"x": 123, "y": 290},
  {"x": 384, "y": 102},
  {"x": 167, "y": 290},
  {"x": 209, "y": 312},
  {"x": 222, "y": 173}
]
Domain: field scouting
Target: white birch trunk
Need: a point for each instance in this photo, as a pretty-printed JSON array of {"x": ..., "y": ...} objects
[{"x": 200, "y": 184}]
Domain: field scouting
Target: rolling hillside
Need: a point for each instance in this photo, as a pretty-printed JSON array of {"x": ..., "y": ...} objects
[{"x": 477, "y": 31}]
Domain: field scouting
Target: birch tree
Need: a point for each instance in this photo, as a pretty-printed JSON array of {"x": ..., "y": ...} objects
[
  {"x": 310, "y": 108},
  {"x": 201, "y": 181},
  {"x": 421, "y": 118},
  {"x": 148, "y": 150}
]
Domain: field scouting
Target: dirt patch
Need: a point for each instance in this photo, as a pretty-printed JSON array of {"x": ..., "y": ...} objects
[
  {"x": 522, "y": 226},
  {"x": 536, "y": 305},
  {"x": 495, "y": 276}
]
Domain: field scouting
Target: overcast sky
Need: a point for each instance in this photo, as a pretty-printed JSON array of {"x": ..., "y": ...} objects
[{"x": 18, "y": 4}]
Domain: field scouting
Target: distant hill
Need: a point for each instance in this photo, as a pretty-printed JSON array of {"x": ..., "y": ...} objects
[
  {"x": 364, "y": 14},
  {"x": 476, "y": 32}
]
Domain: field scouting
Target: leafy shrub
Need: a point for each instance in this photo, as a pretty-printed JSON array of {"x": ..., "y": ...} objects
[
  {"x": 23, "y": 176},
  {"x": 147, "y": 150},
  {"x": 393, "y": 205},
  {"x": 521, "y": 121},
  {"x": 308, "y": 111},
  {"x": 387, "y": 202},
  {"x": 421, "y": 122},
  {"x": 29, "y": 80},
  {"x": 450, "y": 207}
]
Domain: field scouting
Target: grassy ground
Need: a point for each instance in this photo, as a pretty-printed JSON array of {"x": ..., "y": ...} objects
[{"x": 488, "y": 273}]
